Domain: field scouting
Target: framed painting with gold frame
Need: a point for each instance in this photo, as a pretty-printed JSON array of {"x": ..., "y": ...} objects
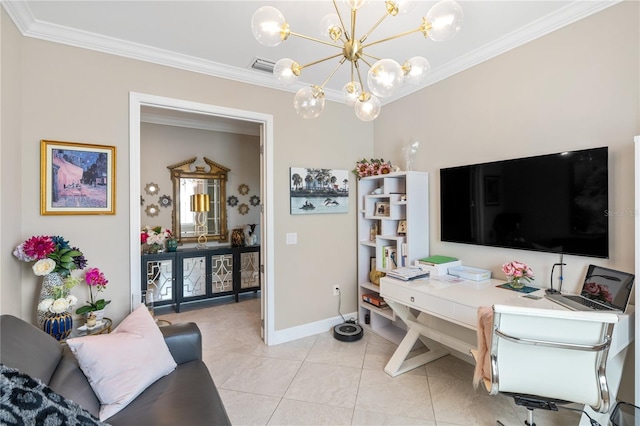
[{"x": 77, "y": 178}]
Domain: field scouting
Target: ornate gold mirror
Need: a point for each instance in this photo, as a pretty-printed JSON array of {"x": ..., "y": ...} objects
[{"x": 188, "y": 179}]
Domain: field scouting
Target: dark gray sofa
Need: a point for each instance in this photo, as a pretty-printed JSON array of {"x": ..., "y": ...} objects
[{"x": 187, "y": 396}]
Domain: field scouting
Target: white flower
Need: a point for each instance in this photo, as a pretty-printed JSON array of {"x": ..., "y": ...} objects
[
  {"x": 20, "y": 254},
  {"x": 43, "y": 267},
  {"x": 45, "y": 304},
  {"x": 72, "y": 300},
  {"x": 59, "y": 306}
]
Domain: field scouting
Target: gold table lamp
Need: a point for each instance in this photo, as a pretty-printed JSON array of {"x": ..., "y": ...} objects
[{"x": 200, "y": 206}]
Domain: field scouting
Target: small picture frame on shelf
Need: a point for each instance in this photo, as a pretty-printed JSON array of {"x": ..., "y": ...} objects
[
  {"x": 383, "y": 208},
  {"x": 372, "y": 263},
  {"x": 402, "y": 227}
]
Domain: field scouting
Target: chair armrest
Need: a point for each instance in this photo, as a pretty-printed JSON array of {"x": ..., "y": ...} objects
[{"x": 184, "y": 341}]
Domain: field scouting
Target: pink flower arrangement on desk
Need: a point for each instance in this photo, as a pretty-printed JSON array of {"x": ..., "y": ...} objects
[
  {"x": 94, "y": 279},
  {"x": 373, "y": 167},
  {"x": 517, "y": 272}
]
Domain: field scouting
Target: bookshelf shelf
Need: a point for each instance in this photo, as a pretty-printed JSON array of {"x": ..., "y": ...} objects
[{"x": 404, "y": 197}]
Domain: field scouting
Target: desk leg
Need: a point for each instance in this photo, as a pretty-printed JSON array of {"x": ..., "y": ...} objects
[{"x": 399, "y": 363}]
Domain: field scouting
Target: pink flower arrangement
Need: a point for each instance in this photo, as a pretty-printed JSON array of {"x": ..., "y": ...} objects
[
  {"x": 517, "y": 271},
  {"x": 154, "y": 235},
  {"x": 597, "y": 291},
  {"x": 51, "y": 254},
  {"x": 372, "y": 167},
  {"x": 94, "y": 279}
]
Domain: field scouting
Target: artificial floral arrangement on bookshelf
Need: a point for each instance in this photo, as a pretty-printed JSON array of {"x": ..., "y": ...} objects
[{"x": 373, "y": 167}]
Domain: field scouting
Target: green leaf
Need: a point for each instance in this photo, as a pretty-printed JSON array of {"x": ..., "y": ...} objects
[
  {"x": 101, "y": 304},
  {"x": 84, "y": 309}
]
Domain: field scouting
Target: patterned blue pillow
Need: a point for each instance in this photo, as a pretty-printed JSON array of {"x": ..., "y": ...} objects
[{"x": 26, "y": 401}]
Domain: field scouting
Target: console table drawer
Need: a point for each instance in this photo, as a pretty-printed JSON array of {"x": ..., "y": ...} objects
[{"x": 416, "y": 299}]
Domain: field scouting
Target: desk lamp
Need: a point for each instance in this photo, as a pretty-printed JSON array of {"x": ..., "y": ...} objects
[
  {"x": 560, "y": 278},
  {"x": 200, "y": 207}
]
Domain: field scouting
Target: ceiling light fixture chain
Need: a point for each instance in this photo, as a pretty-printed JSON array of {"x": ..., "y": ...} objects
[{"x": 385, "y": 76}]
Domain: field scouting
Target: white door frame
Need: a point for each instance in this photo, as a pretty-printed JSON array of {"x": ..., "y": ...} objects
[{"x": 136, "y": 101}]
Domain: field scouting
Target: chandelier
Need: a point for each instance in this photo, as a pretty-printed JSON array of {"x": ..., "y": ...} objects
[{"x": 384, "y": 77}]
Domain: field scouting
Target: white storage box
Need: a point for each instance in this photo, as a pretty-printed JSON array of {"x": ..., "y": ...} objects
[
  {"x": 438, "y": 269},
  {"x": 469, "y": 273}
]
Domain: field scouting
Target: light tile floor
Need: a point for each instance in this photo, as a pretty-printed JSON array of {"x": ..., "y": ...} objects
[{"x": 319, "y": 380}]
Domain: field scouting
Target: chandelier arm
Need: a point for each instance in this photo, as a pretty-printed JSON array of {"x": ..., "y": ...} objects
[
  {"x": 369, "y": 56},
  {"x": 364, "y": 37},
  {"x": 346, "y": 33},
  {"x": 317, "y": 40},
  {"x": 365, "y": 61},
  {"x": 321, "y": 60},
  {"x": 353, "y": 23},
  {"x": 419, "y": 29},
  {"x": 333, "y": 72}
]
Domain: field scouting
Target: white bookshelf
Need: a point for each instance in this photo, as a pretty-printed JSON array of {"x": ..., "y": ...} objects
[{"x": 404, "y": 197}]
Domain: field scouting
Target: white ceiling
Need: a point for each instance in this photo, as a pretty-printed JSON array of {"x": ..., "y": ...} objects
[{"x": 214, "y": 37}]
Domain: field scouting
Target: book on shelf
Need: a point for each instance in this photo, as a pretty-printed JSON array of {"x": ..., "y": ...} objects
[
  {"x": 437, "y": 260},
  {"x": 408, "y": 274},
  {"x": 375, "y": 300},
  {"x": 389, "y": 257},
  {"x": 392, "y": 262}
]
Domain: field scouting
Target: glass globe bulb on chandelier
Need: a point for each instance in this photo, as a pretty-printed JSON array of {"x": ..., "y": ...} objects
[{"x": 385, "y": 76}]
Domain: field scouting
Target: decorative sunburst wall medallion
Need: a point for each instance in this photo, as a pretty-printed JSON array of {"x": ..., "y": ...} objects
[
  {"x": 254, "y": 200},
  {"x": 152, "y": 210},
  {"x": 151, "y": 188},
  {"x": 243, "y": 209},
  {"x": 232, "y": 201},
  {"x": 165, "y": 201},
  {"x": 243, "y": 189}
]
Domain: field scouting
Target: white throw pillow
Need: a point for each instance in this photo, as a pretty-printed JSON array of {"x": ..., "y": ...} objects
[{"x": 122, "y": 364}]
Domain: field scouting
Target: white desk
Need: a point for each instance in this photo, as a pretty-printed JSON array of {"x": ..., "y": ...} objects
[{"x": 458, "y": 303}]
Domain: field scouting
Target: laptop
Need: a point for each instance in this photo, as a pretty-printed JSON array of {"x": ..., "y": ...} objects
[{"x": 604, "y": 290}]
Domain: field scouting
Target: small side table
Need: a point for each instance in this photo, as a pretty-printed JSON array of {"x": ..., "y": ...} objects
[
  {"x": 103, "y": 328},
  {"x": 162, "y": 323}
]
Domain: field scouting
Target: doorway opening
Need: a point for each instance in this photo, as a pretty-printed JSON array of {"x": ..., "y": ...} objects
[{"x": 177, "y": 106}]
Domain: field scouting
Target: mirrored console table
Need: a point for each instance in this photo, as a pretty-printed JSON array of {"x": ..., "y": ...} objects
[{"x": 192, "y": 275}]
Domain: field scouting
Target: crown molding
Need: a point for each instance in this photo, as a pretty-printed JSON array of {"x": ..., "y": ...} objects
[{"x": 31, "y": 27}]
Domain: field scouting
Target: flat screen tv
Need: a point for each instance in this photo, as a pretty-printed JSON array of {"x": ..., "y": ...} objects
[{"x": 553, "y": 203}]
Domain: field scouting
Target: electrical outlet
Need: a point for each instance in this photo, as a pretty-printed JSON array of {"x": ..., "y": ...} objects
[{"x": 336, "y": 290}]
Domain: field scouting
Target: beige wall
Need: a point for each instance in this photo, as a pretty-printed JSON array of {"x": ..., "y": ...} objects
[
  {"x": 575, "y": 88},
  {"x": 162, "y": 146},
  {"x": 71, "y": 94},
  {"x": 10, "y": 167},
  {"x": 572, "y": 89}
]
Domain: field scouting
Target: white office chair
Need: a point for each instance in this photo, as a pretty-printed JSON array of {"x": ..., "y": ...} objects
[{"x": 544, "y": 357}]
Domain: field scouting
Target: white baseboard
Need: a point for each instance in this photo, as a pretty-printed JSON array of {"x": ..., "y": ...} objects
[{"x": 306, "y": 330}]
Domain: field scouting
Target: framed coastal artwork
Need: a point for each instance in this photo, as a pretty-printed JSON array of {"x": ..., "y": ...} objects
[
  {"x": 77, "y": 178},
  {"x": 318, "y": 191}
]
